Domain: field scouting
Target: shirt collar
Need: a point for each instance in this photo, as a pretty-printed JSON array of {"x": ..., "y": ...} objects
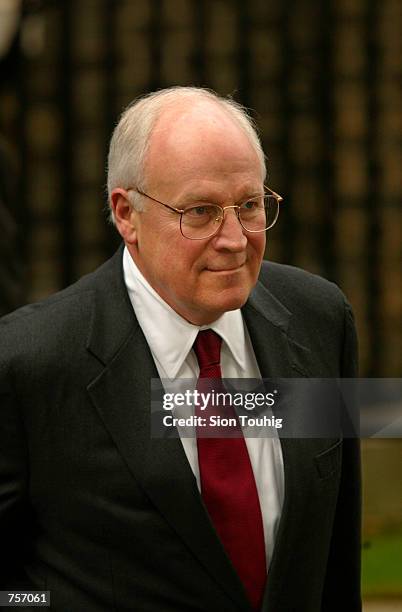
[{"x": 171, "y": 340}]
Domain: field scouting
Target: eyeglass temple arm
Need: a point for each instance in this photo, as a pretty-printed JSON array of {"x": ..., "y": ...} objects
[
  {"x": 279, "y": 198},
  {"x": 178, "y": 210}
]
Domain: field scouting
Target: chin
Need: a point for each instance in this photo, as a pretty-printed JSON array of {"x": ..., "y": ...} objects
[{"x": 232, "y": 302}]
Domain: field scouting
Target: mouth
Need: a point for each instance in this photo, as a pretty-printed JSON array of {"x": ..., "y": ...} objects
[{"x": 226, "y": 270}]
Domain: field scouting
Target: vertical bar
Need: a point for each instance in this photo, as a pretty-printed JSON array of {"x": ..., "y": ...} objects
[
  {"x": 243, "y": 51},
  {"x": 288, "y": 228},
  {"x": 375, "y": 339},
  {"x": 199, "y": 30},
  {"x": 325, "y": 111},
  {"x": 110, "y": 33},
  {"x": 23, "y": 212},
  {"x": 65, "y": 104},
  {"x": 155, "y": 36}
]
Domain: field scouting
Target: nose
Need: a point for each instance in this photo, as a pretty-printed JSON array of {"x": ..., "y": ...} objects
[{"x": 231, "y": 235}]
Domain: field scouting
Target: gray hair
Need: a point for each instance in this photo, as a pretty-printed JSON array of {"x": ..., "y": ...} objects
[{"x": 131, "y": 136}]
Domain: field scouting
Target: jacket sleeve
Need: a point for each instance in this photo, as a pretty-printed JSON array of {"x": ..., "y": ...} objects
[
  {"x": 15, "y": 515},
  {"x": 342, "y": 582}
]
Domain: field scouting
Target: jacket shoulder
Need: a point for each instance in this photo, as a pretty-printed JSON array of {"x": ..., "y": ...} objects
[
  {"x": 320, "y": 316},
  {"x": 60, "y": 320},
  {"x": 299, "y": 289}
]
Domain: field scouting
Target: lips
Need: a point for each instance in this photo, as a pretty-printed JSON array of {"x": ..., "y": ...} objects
[{"x": 226, "y": 268}]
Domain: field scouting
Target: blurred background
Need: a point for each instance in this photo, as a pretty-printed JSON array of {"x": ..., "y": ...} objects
[{"x": 323, "y": 80}]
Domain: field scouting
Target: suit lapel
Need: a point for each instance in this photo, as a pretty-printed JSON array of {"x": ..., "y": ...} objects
[
  {"x": 279, "y": 355},
  {"x": 269, "y": 325},
  {"x": 121, "y": 394}
]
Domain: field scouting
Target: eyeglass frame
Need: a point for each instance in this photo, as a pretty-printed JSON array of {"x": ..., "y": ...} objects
[{"x": 236, "y": 207}]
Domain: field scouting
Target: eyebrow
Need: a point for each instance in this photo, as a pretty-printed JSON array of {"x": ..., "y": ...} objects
[{"x": 194, "y": 198}]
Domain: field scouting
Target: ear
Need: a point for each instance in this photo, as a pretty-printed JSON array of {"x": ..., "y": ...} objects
[{"x": 125, "y": 215}]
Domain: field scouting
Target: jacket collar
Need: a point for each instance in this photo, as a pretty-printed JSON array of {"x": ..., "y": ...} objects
[{"x": 269, "y": 325}]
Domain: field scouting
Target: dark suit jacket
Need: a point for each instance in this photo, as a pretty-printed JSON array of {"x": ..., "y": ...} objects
[{"x": 108, "y": 519}]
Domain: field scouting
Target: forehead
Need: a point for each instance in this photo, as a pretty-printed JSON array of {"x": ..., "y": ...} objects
[{"x": 199, "y": 142}]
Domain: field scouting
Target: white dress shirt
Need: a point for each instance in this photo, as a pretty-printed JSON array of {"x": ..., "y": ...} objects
[{"x": 170, "y": 342}]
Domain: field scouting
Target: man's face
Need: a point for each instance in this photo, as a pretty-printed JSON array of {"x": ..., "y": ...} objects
[{"x": 197, "y": 158}]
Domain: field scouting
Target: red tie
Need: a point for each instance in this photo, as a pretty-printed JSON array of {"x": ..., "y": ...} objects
[{"x": 227, "y": 484}]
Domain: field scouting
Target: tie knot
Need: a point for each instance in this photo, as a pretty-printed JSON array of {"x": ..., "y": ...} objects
[{"x": 207, "y": 347}]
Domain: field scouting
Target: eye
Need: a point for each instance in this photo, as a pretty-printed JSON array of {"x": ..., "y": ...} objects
[
  {"x": 200, "y": 212},
  {"x": 251, "y": 205}
]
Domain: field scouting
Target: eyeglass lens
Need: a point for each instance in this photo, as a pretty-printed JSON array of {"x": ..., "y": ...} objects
[{"x": 256, "y": 215}]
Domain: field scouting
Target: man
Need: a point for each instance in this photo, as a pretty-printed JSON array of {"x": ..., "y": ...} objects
[{"x": 92, "y": 506}]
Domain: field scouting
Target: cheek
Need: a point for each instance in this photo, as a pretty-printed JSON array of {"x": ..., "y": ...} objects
[
  {"x": 256, "y": 246},
  {"x": 187, "y": 256},
  {"x": 176, "y": 265}
]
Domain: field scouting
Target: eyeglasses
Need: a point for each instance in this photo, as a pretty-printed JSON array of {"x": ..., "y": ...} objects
[{"x": 199, "y": 221}]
